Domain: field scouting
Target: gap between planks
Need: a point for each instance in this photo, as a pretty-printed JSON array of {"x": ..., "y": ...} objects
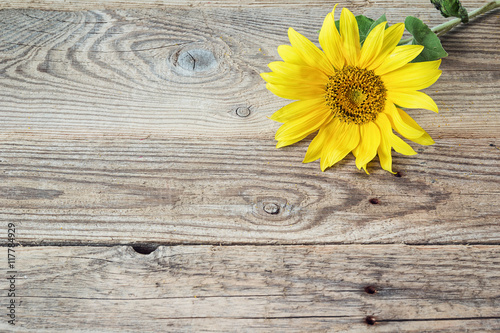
[{"x": 151, "y": 247}]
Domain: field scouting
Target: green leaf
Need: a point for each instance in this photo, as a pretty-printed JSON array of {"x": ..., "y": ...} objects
[
  {"x": 373, "y": 25},
  {"x": 378, "y": 21},
  {"x": 422, "y": 35},
  {"x": 451, "y": 8},
  {"x": 365, "y": 25}
]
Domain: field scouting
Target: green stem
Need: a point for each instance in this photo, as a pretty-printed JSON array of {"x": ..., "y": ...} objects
[
  {"x": 441, "y": 29},
  {"x": 447, "y": 26}
]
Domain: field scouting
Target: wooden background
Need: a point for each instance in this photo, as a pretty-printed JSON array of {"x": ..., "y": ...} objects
[{"x": 138, "y": 166}]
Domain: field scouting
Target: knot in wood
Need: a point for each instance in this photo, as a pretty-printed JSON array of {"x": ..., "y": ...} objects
[
  {"x": 243, "y": 112},
  {"x": 196, "y": 60},
  {"x": 271, "y": 208},
  {"x": 144, "y": 248}
]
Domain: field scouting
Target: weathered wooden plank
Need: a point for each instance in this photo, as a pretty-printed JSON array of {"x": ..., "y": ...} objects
[
  {"x": 99, "y": 4},
  {"x": 167, "y": 191},
  {"x": 267, "y": 288},
  {"x": 131, "y": 72}
]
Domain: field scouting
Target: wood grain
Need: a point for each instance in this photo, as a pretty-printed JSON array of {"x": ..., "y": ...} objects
[
  {"x": 72, "y": 5},
  {"x": 275, "y": 288},
  {"x": 118, "y": 72},
  {"x": 189, "y": 191},
  {"x": 129, "y": 124},
  {"x": 150, "y": 125}
]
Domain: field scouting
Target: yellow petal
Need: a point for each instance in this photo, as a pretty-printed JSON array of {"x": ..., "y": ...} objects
[
  {"x": 392, "y": 36},
  {"x": 400, "y": 146},
  {"x": 412, "y": 100},
  {"x": 385, "y": 147},
  {"x": 343, "y": 140},
  {"x": 311, "y": 54},
  {"x": 402, "y": 127},
  {"x": 297, "y": 129},
  {"x": 398, "y": 58},
  {"x": 372, "y": 45},
  {"x": 316, "y": 145},
  {"x": 276, "y": 78},
  {"x": 296, "y": 109},
  {"x": 290, "y": 72},
  {"x": 290, "y": 55},
  {"x": 350, "y": 37},
  {"x": 284, "y": 143},
  {"x": 425, "y": 139},
  {"x": 300, "y": 92},
  {"x": 369, "y": 142},
  {"x": 414, "y": 76},
  {"x": 329, "y": 39}
]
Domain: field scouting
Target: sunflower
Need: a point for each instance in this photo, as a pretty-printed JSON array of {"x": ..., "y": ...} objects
[{"x": 351, "y": 93}]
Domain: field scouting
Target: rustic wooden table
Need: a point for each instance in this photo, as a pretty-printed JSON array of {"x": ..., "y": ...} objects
[{"x": 139, "y": 172}]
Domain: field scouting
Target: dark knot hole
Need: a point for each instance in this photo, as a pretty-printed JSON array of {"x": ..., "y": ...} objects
[{"x": 144, "y": 248}]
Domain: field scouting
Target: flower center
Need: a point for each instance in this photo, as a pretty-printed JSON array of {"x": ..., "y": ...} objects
[{"x": 355, "y": 95}]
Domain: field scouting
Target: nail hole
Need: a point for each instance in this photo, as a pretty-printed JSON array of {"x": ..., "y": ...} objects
[
  {"x": 144, "y": 248},
  {"x": 398, "y": 174},
  {"x": 271, "y": 208},
  {"x": 370, "y": 320},
  {"x": 243, "y": 112},
  {"x": 374, "y": 201},
  {"x": 370, "y": 290}
]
